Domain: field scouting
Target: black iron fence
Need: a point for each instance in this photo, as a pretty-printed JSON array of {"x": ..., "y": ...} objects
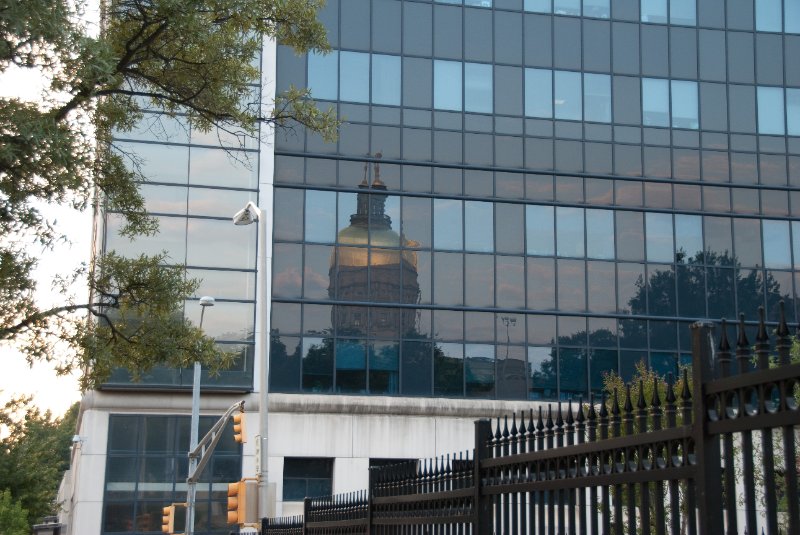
[{"x": 716, "y": 455}]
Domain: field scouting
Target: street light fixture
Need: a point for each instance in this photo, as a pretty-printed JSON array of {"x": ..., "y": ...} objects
[
  {"x": 246, "y": 216},
  {"x": 205, "y": 302}
]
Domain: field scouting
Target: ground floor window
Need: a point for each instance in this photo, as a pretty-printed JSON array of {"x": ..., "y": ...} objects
[
  {"x": 307, "y": 477},
  {"x": 146, "y": 470}
]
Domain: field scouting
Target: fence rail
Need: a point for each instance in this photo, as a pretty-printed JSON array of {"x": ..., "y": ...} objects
[{"x": 713, "y": 454}]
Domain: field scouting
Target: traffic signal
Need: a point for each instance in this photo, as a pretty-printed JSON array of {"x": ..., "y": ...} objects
[
  {"x": 238, "y": 428},
  {"x": 173, "y": 519},
  {"x": 242, "y": 502}
]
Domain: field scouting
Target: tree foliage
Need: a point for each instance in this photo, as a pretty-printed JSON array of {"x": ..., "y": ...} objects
[
  {"x": 197, "y": 59},
  {"x": 13, "y": 518},
  {"x": 33, "y": 456}
]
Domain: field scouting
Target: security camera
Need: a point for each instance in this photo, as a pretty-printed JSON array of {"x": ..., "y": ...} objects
[
  {"x": 76, "y": 439},
  {"x": 247, "y": 215}
]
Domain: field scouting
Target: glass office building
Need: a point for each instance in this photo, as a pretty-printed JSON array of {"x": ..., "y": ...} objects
[
  {"x": 555, "y": 190},
  {"x": 525, "y": 195}
]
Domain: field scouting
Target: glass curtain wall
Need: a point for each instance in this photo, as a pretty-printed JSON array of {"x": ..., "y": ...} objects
[{"x": 555, "y": 190}]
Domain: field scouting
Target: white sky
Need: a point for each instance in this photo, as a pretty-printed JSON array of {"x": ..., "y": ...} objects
[{"x": 17, "y": 378}]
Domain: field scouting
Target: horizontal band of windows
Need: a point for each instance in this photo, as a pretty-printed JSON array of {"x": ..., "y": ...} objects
[
  {"x": 504, "y": 371},
  {"x": 446, "y": 224},
  {"x": 320, "y": 170},
  {"x": 195, "y": 166}
]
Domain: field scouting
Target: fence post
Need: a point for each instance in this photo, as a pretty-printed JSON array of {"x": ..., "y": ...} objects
[
  {"x": 482, "y": 505},
  {"x": 370, "y": 489},
  {"x": 708, "y": 482},
  {"x": 306, "y": 510}
]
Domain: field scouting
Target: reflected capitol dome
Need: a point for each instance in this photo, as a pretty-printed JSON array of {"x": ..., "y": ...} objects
[{"x": 371, "y": 262}]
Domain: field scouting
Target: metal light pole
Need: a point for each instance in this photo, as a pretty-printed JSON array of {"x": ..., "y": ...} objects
[
  {"x": 246, "y": 216},
  {"x": 205, "y": 302}
]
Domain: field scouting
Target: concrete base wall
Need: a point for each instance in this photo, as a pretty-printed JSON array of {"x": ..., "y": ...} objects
[{"x": 350, "y": 429}]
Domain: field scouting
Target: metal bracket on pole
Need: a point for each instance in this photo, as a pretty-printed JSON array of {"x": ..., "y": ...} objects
[{"x": 201, "y": 455}]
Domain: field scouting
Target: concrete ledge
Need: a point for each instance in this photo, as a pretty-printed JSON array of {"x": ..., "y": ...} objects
[
  {"x": 171, "y": 402},
  {"x": 400, "y": 406}
]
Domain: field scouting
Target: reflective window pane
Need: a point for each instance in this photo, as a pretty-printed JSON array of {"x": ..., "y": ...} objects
[
  {"x": 320, "y": 216},
  {"x": 538, "y": 6},
  {"x": 654, "y": 11},
  {"x": 354, "y": 79},
  {"x": 683, "y": 12},
  {"x": 543, "y": 370},
  {"x": 567, "y": 7},
  {"x": 447, "y": 224},
  {"x": 688, "y": 237},
  {"x": 630, "y": 236},
  {"x": 792, "y": 16},
  {"x": 478, "y": 226},
  {"x": 571, "y": 285},
  {"x": 540, "y": 276},
  {"x": 538, "y": 93},
  {"x": 655, "y": 102},
  {"x": 156, "y": 162},
  {"x": 777, "y": 251},
  {"x": 659, "y": 237},
  {"x": 568, "y": 101},
  {"x": 597, "y": 97},
  {"x": 216, "y": 167},
  {"x": 747, "y": 241},
  {"x": 479, "y": 370},
  {"x": 601, "y": 292},
  {"x": 718, "y": 241},
  {"x": 770, "y": 110},
  {"x": 793, "y": 108},
  {"x": 447, "y": 85},
  {"x": 234, "y": 246},
  {"x": 478, "y": 85},
  {"x": 317, "y": 365},
  {"x": 323, "y": 75},
  {"x": 351, "y": 366},
  {"x": 684, "y": 104},
  {"x": 386, "y": 79},
  {"x": 596, "y": 8},
  {"x": 540, "y": 233},
  {"x": 600, "y": 234},
  {"x": 572, "y": 371},
  {"x": 569, "y": 231},
  {"x": 768, "y": 15},
  {"x": 448, "y": 370}
]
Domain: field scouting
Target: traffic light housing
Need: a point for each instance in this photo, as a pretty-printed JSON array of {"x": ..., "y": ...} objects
[
  {"x": 238, "y": 428},
  {"x": 173, "y": 519},
  {"x": 243, "y": 502}
]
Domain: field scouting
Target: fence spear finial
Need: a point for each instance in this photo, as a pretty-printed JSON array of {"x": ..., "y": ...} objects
[
  {"x": 742, "y": 342},
  {"x": 514, "y": 424},
  {"x": 640, "y": 403},
  {"x": 762, "y": 335},
  {"x": 670, "y": 389},
  {"x": 783, "y": 328},
  {"x": 569, "y": 419},
  {"x": 531, "y": 427},
  {"x": 579, "y": 416},
  {"x": 656, "y": 401},
  {"x": 603, "y": 408},
  {"x": 686, "y": 394}
]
